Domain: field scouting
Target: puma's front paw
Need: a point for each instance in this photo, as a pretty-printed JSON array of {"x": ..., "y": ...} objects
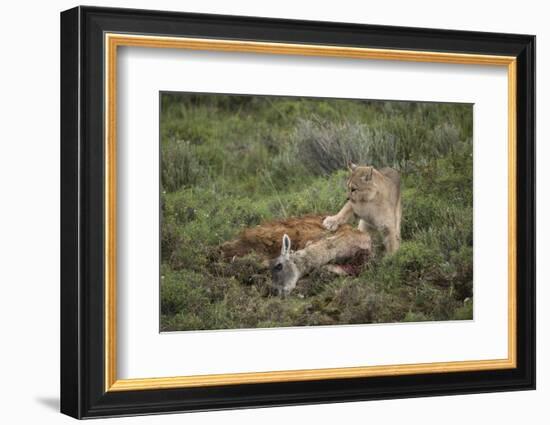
[{"x": 331, "y": 223}]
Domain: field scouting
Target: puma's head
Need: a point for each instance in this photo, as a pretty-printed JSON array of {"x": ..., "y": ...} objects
[{"x": 361, "y": 183}]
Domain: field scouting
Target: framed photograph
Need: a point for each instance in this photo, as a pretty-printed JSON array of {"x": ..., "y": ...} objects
[{"x": 261, "y": 212}]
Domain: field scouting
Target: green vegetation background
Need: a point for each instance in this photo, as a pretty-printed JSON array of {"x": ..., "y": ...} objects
[{"x": 230, "y": 162}]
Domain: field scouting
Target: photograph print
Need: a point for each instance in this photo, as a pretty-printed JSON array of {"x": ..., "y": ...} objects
[{"x": 293, "y": 211}]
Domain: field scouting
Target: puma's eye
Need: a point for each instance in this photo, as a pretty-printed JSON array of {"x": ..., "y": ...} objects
[{"x": 278, "y": 267}]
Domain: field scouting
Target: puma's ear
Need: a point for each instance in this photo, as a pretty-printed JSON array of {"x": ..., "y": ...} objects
[
  {"x": 368, "y": 176},
  {"x": 351, "y": 166}
]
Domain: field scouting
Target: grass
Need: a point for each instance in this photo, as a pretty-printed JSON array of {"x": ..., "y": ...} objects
[{"x": 230, "y": 162}]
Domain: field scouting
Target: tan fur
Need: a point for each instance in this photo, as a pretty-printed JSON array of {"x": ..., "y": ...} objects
[
  {"x": 374, "y": 196},
  {"x": 265, "y": 239}
]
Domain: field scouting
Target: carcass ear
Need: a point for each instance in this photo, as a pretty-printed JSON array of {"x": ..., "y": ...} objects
[
  {"x": 351, "y": 166},
  {"x": 285, "y": 249}
]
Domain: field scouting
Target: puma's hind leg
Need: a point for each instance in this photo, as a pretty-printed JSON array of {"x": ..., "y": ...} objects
[{"x": 390, "y": 237}]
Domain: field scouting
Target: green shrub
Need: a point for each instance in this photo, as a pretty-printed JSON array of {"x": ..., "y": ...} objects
[
  {"x": 466, "y": 312},
  {"x": 179, "y": 166}
]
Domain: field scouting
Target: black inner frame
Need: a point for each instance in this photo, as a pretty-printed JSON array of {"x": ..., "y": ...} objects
[{"x": 82, "y": 212}]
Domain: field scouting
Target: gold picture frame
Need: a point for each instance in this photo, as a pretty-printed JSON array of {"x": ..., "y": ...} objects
[{"x": 91, "y": 40}]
